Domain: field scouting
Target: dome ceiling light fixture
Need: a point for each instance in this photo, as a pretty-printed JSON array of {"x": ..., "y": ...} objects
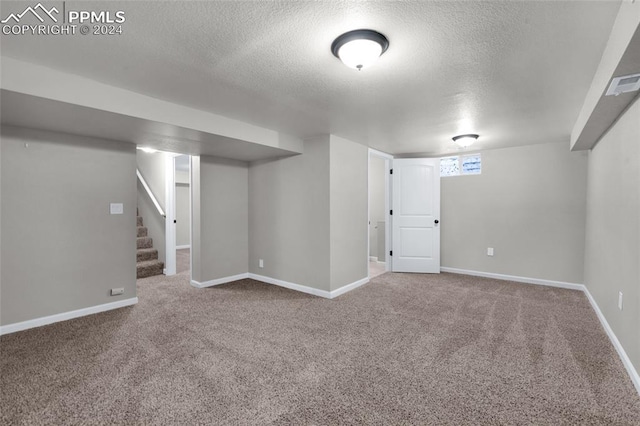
[
  {"x": 359, "y": 48},
  {"x": 465, "y": 141}
]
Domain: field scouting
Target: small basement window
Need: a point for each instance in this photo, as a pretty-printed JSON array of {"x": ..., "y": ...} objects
[
  {"x": 461, "y": 165},
  {"x": 471, "y": 164},
  {"x": 449, "y": 166}
]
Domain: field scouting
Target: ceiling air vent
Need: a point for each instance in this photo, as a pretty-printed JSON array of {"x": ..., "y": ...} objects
[{"x": 624, "y": 84}]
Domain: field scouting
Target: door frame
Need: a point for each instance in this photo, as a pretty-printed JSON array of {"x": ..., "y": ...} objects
[
  {"x": 388, "y": 161},
  {"x": 169, "y": 223}
]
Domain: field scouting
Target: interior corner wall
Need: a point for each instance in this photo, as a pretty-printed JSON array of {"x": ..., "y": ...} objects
[
  {"x": 528, "y": 204},
  {"x": 348, "y": 212},
  {"x": 221, "y": 218},
  {"x": 612, "y": 257},
  {"x": 61, "y": 248},
  {"x": 289, "y": 216},
  {"x": 152, "y": 167}
]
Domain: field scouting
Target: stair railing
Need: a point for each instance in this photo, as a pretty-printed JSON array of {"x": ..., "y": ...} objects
[{"x": 153, "y": 198}]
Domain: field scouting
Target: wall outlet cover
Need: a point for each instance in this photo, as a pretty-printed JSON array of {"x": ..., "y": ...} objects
[
  {"x": 117, "y": 291},
  {"x": 116, "y": 208}
]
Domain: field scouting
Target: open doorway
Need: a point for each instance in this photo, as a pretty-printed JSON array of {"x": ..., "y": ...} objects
[
  {"x": 378, "y": 257},
  {"x": 164, "y": 213}
]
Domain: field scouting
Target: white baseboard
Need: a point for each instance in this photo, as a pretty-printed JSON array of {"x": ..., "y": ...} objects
[
  {"x": 633, "y": 374},
  {"x": 187, "y": 246},
  {"x": 219, "y": 281},
  {"x": 373, "y": 259},
  {"x": 348, "y": 287},
  {"x": 291, "y": 286},
  {"x": 38, "y": 322},
  {"x": 310, "y": 290},
  {"x": 538, "y": 281}
]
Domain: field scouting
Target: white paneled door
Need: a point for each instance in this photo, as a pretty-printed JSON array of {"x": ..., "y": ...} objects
[{"x": 416, "y": 215}]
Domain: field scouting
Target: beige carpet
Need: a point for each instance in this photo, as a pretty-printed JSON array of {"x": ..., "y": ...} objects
[
  {"x": 404, "y": 349},
  {"x": 376, "y": 269},
  {"x": 183, "y": 260}
]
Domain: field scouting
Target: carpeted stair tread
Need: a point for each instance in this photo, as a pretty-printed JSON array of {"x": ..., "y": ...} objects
[
  {"x": 148, "y": 264},
  {"x": 149, "y": 268},
  {"x": 146, "y": 254},
  {"x": 144, "y": 242}
]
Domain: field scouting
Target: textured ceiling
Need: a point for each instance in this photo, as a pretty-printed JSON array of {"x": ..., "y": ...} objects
[{"x": 514, "y": 72}]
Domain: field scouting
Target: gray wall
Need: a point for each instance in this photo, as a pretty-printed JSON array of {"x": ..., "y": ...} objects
[
  {"x": 152, "y": 167},
  {"x": 376, "y": 205},
  {"x": 61, "y": 249},
  {"x": 348, "y": 211},
  {"x": 528, "y": 204},
  {"x": 289, "y": 216},
  {"x": 223, "y": 219},
  {"x": 612, "y": 256},
  {"x": 183, "y": 211},
  {"x": 182, "y": 214}
]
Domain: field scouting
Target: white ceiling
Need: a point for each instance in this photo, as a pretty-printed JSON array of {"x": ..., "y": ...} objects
[{"x": 514, "y": 72}]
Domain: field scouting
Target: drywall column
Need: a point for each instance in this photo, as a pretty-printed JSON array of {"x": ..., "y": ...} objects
[
  {"x": 308, "y": 215},
  {"x": 528, "y": 204},
  {"x": 348, "y": 212},
  {"x": 220, "y": 219},
  {"x": 289, "y": 216},
  {"x": 612, "y": 255},
  {"x": 61, "y": 248}
]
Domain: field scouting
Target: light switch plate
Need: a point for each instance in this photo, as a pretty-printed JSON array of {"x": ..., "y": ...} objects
[{"x": 116, "y": 208}]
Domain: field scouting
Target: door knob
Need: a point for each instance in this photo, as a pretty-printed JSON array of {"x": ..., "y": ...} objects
[{"x": 436, "y": 221}]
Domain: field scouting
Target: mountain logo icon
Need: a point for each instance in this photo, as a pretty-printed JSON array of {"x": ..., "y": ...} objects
[{"x": 34, "y": 11}]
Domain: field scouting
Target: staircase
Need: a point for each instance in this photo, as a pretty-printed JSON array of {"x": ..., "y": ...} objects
[{"x": 148, "y": 264}]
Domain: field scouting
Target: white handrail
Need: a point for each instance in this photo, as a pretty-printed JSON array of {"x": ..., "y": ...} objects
[{"x": 146, "y": 187}]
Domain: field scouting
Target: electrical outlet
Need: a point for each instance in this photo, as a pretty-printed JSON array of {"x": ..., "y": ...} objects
[
  {"x": 489, "y": 251},
  {"x": 261, "y": 263},
  {"x": 117, "y": 291},
  {"x": 620, "y": 300}
]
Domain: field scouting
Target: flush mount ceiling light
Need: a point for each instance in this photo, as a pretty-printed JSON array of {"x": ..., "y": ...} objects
[
  {"x": 359, "y": 48},
  {"x": 464, "y": 141}
]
